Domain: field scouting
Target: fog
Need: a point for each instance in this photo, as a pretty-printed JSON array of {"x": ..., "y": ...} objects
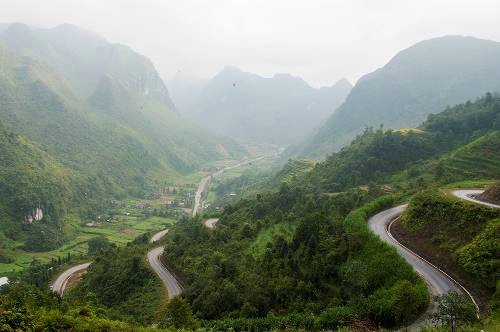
[{"x": 319, "y": 40}]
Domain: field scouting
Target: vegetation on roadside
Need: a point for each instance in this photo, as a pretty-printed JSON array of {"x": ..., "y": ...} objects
[
  {"x": 120, "y": 282},
  {"x": 462, "y": 237},
  {"x": 330, "y": 264}
]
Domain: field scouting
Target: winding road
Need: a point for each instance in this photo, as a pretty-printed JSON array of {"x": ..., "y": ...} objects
[
  {"x": 153, "y": 256},
  {"x": 157, "y": 236},
  {"x": 438, "y": 281},
  {"x": 471, "y": 194},
  {"x": 172, "y": 285},
  {"x": 61, "y": 281}
]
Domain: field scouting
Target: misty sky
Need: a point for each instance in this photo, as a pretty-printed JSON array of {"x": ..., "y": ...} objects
[{"x": 318, "y": 40}]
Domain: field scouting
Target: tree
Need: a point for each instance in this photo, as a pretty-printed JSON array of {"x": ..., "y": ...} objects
[
  {"x": 178, "y": 314},
  {"x": 453, "y": 310},
  {"x": 98, "y": 245}
]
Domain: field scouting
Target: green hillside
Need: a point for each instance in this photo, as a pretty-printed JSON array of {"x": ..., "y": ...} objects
[
  {"x": 418, "y": 81},
  {"x": 101, "y": 126},
  {"x": 459, "y": 143},
  {"x": 302, "y": 255},
  {"x": 118, "y": 90},
  {"x": 461, "y": 237},
  {"x": 30, "y": 179},
  {"x": 296, "y": 256},
  {"x": 296, "y": 234}
]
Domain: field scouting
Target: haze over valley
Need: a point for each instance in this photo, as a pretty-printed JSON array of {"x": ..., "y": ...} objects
[{"x": 249, "y": 166}]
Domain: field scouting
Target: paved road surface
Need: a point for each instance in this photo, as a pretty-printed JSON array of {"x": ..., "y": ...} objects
[
  {"x": 197, "y": 197},
  {"x": 158, "y": 236},
  {"x": 168, "y": 279},
  {"x": 203, "y": 182},
  {"x": 62, "y": 281},
  {"x": 437, "y": 282},
  {"x": 471, "y": 194},
  {"x": 210, "y": 223}
]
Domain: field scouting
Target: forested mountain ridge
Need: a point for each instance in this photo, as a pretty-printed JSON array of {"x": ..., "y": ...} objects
[
  {"x": 280, "y": 109},
  {"x": 460, "y": 142},
  {"x": 418, "y": 81},
  {"x": 116, "y": 84},
  {"x": 122, "y": 139}
]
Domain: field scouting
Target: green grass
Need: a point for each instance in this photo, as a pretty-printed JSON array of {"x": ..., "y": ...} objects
[
  {"x": 125, "y": 230},
  {"x": 478, "y": 159}
]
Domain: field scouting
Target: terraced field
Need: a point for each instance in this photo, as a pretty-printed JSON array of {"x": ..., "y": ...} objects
[
  {"x": 479, "y": 159},
  {"x": 294, "y": 168}
]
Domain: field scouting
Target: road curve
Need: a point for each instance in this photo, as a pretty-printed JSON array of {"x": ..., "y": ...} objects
[
  {"x": 210, "y": 223},
  {"x": 61, "y": 281},
  {"x": 173, "y": 286},
  {"x": 437, "y": 281},
  {"x": 157, "y": 236},
  {"x": 471, "y": 194}
]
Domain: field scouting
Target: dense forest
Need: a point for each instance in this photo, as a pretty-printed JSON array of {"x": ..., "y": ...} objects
[{"x": 302, "y": 254}]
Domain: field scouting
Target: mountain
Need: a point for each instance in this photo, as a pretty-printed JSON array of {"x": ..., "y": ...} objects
[
  {"x": 248, "y": 107},
  {"x": 460, "y": 143},
  {"x": 28, "y": 174},
  {"x": 418, "y": 81},
  {"x": 289, "y": 243},
  {"x": 307, "y": 252},
  {"x": 87, "y": 135},
  {"x": 115, "y": 88},
  {"x": 185, "y": 91}
]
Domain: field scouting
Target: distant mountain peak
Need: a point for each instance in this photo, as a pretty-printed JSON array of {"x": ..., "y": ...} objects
[
  {"x": 277, "y": 109},
  {"x": 417, "y": 81},
  {"x": 343, "y": 82},
  {"x": 74, "y": 31}
]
